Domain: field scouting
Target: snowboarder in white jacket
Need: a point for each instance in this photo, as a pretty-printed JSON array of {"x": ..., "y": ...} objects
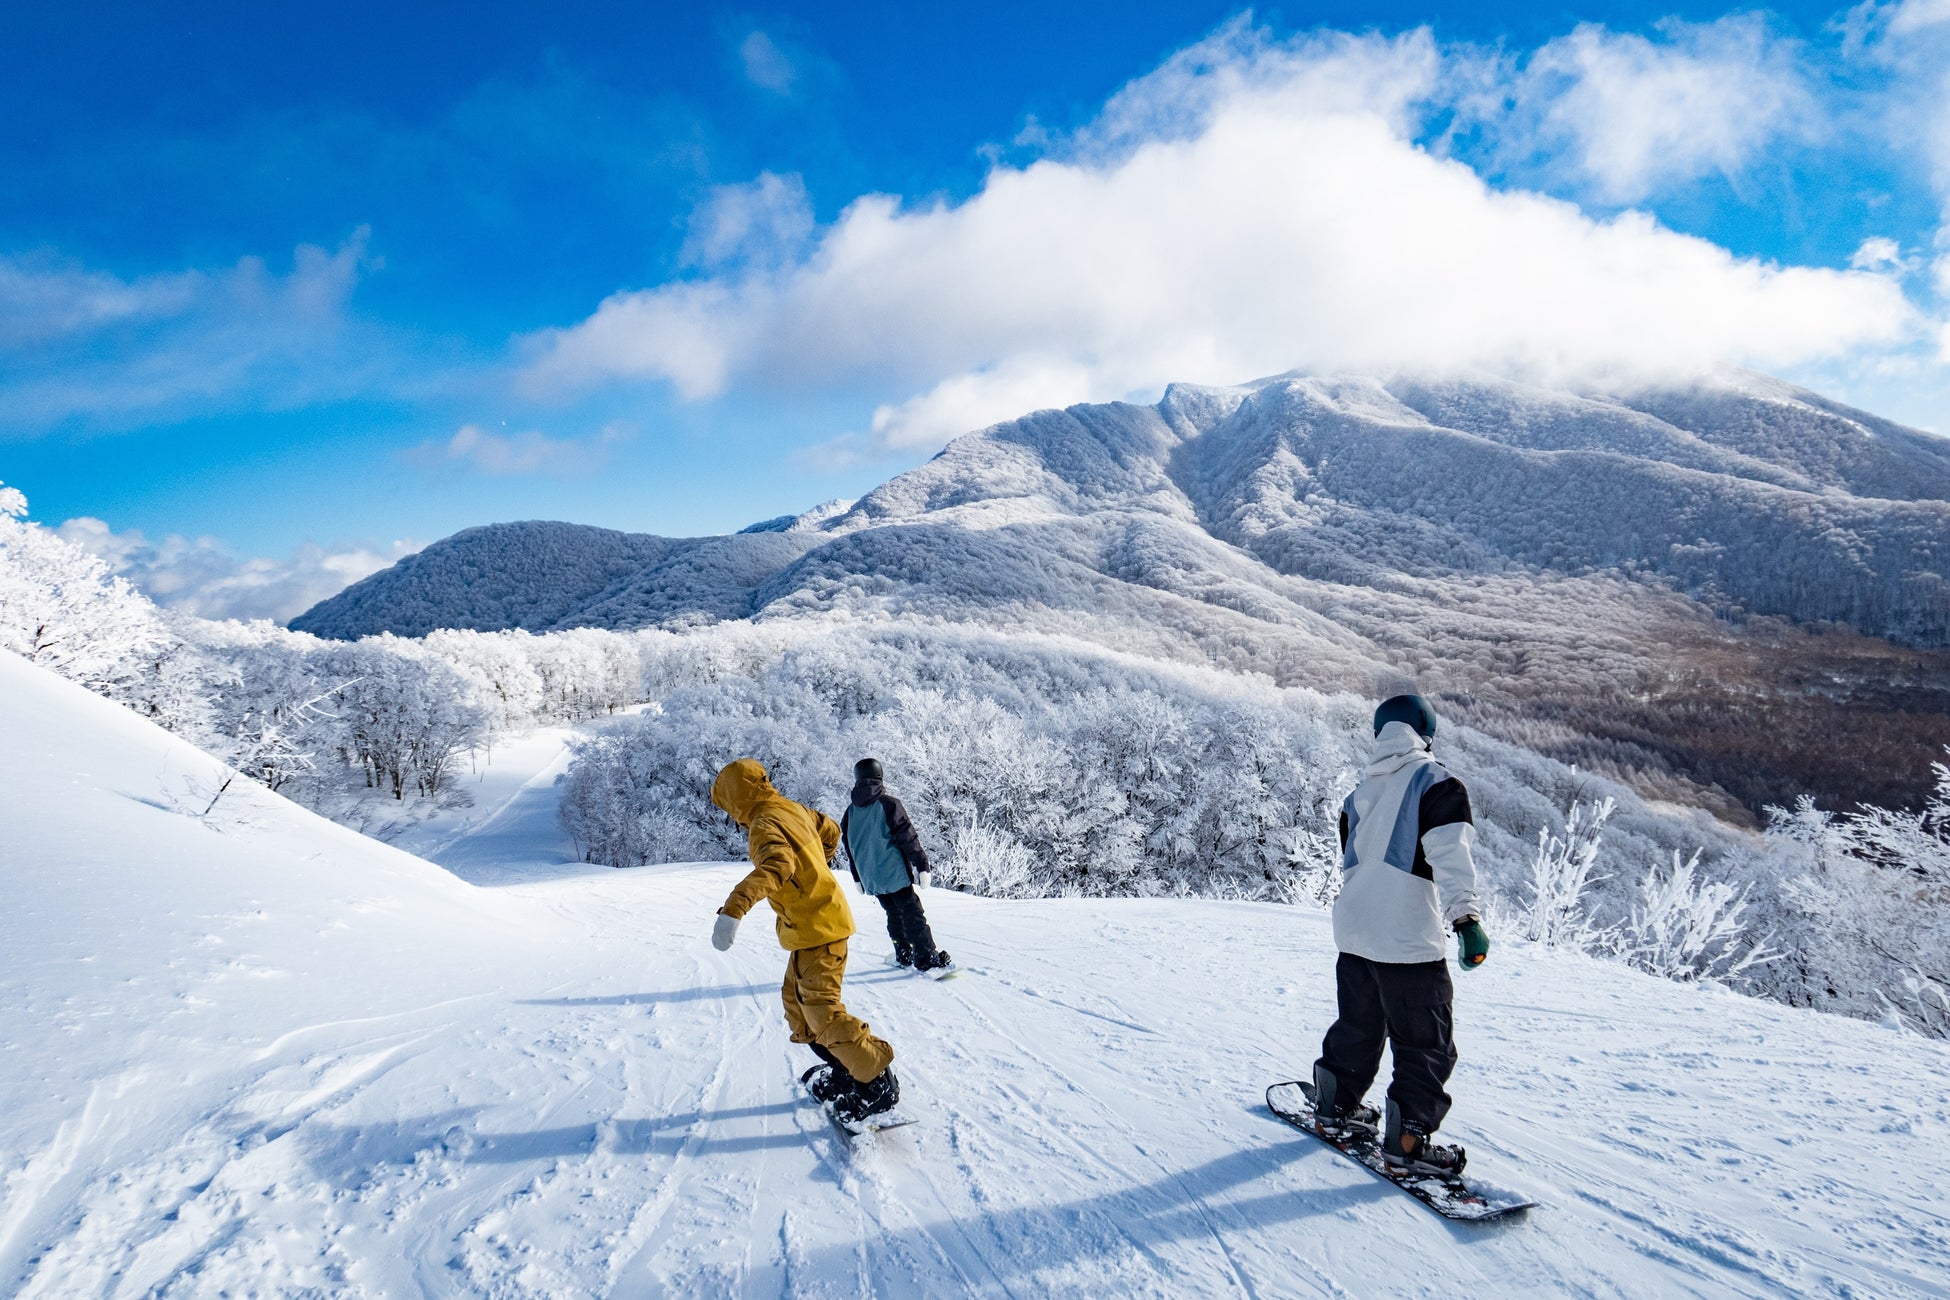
[
  {"x": 1408, "y": 881},
  {"x": 888, "y": 862}
]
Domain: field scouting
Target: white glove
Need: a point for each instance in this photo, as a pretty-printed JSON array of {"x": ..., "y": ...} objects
[
  {"x": 925, "y": 880},
  {"x": 724, "y": 932}
]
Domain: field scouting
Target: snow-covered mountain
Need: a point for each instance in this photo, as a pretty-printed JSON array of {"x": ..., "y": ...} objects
[
  {"x": 1674, "y": 585},
  {"x": 1749, "y": 491},
  {"x": 255, "y": 1054}
]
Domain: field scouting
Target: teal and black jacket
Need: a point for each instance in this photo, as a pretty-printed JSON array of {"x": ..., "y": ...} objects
[{"x": 881, "y": 847}]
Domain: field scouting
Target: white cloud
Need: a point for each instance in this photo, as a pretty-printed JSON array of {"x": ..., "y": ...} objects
[
  {"x": 203, "y": 577},
  {"x": 82, "y": 344},
  {"x": 1638, "y": 115},
  {"x": 1916, "y": 15},
  {"x": 43, "y": 299},
  {"x": 766, "y": 65},
  {"x": 764, "y": 221},
  {"x": 1877, "y": 253},
  {"x": 517, "y": 455},
  {"x": 1250, "y": 208}
]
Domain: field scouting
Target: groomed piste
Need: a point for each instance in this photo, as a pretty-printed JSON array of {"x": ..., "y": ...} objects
[{"x": 254, "y": 1053}]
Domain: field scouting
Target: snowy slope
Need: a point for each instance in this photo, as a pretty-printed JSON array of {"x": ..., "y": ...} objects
[{"x": 273, "y": 1058}]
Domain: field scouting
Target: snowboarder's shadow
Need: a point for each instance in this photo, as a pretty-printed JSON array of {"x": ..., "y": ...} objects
[
  {"x": 1182, "y": 1205},
  {"x": 452, "y": 1135}
]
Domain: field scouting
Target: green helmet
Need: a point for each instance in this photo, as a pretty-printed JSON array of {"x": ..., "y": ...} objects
[{"x": 1412, "y": 709}]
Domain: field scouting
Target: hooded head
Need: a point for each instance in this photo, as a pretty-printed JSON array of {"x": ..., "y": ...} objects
[
  {"x": 867, "y": 785},
  {"x": 741, "y": 787},
  {"x": 1411, "y": 709}
]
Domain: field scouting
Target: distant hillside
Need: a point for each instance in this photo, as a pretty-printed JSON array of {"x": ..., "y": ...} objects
[
  {"x": 542, "y": 575},
  {"x": 1703, "y": 589}
]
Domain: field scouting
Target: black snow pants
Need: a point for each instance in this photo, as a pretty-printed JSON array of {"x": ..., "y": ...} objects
[
  {"x": 907, "y": 926},
  {"x": 1406, "y": 1005}
]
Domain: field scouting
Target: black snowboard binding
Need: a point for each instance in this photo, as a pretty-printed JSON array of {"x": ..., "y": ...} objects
[
  {"x": 1425, "y": 1159},
  {"x": 862, "y": 1100},
  {"x": 1335, "y": 1121},
  {"x": 825, "y": 1082},
  {"x": 936, "y": 960},
  {"x": 903, "y": 954}
]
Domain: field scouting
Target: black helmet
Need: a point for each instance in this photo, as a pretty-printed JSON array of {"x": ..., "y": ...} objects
[
  {"x": 1412, "y": 709},
  {"x": 867, "y": 769}
]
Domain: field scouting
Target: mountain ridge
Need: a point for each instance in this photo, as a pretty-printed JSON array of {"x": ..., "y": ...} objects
[{"x": 1594, "y": 563}]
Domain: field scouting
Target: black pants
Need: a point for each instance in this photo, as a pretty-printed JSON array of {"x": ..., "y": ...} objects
[
  {"x": 1406, "y": 1005},
  {"x": 907, "y": 925}
]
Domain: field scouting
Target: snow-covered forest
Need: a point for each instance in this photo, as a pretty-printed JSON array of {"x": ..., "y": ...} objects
[{"x": 1035, "y": 763}]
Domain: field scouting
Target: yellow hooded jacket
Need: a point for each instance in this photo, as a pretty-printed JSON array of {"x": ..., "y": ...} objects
[{"x": 790, "y": 846}]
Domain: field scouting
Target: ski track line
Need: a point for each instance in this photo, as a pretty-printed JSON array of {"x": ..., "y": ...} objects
[
  {"x": 642, "y": 1230},
  {"x": 899, "y": 1188},
  {"x": 1058, "y": 1134},
  {"x": 1189, "y": 1197},
  {"x": 283, "y": 1040},
  {"x": 872, "y": 1160},
  {"x": 467, "y": 831},
  {"x": 121, "y": 1233},
  {"x": 1712, "y": 1253},
  {"x": 870, "y": 1171},
  {"x": 33, "y": 1188},
  {"x": 1070, "y": 1136}
]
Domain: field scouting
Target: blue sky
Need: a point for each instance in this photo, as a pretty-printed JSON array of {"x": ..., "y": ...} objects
[{"x": 284, "y": 288}]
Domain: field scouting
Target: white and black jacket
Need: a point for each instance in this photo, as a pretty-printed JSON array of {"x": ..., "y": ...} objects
[{"x": 1406, "y": 833}]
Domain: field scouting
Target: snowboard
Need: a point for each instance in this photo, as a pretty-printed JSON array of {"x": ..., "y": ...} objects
[
  {"x": 880, "y": 1123},
  {"x": 948, "y": 972},
  {"x": 1462, "y": 1199}
]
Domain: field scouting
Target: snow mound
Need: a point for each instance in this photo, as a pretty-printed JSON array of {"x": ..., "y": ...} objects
[{"x": 254, "y": 1054}]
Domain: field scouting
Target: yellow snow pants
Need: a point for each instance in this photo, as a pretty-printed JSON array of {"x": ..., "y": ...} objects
[{"x": 816, "y": 1015}]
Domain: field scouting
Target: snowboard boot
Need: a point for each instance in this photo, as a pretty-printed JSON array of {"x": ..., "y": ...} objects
[
  {"x": 936, "y": 960},
  {"x": 1331, "y": 1118},
  {"x": 873, "y": 1097},
  {"x": 903, "y": 954},
  {"x": 1407, "y": 1151},
  {"x": 829, "y": 1078},
  {"x": 825, "y": 1082}
]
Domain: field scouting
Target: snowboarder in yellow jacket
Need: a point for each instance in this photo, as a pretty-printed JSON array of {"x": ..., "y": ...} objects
[{"x": 791, "y": 847}]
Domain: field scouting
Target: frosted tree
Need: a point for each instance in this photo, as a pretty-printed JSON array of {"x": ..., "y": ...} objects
[
  {"x": 61, "y": 608},
  {"x": 1874, "y": 893},
  {"x": 986, "y": 860},
  {"x": 1313, "y": 867},
  {"x": 1685, "y": 927},
  {"x": 1555, "y": 912}
]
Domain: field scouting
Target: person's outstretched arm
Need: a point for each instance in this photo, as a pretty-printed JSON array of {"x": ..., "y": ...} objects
[{"x": 772, "y": 865}]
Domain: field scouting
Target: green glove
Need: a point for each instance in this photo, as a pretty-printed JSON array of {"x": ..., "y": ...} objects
[{"x": 1475, "y": 943}]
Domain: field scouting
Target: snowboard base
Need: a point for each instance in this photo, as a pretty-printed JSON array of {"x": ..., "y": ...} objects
[{"x": 1461, "y": 1199}]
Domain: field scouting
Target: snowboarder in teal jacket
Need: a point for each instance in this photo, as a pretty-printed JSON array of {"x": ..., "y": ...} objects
[{"x": 888, "y": 862}]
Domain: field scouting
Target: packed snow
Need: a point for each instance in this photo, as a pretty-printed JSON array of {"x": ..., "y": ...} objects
[{"x": 254, "y": 1053}]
